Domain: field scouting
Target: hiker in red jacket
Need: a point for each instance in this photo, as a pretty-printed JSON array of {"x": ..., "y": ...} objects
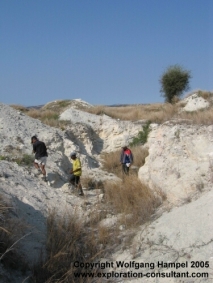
[{"x": 126, "y": 159}]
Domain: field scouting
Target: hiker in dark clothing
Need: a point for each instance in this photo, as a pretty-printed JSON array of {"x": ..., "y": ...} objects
[
  {"x": 126, "y": 159},
  {"x": 40, "y": 150}
]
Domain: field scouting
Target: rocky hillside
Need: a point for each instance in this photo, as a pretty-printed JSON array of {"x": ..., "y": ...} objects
[{"x": 178, "y": 170}]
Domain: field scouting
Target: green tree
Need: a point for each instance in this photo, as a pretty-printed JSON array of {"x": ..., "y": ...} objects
[{"x": 174, "y": 81}]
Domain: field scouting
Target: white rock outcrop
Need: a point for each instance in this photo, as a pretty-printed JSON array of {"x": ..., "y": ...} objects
[
  {"x": 180, "y": 160},
  {"x": 194, "y": 102},
  {"x": 110, "y": 133}
]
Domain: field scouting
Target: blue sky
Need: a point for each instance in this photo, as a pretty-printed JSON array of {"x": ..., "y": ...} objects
[{"x": 102, "y": 51}]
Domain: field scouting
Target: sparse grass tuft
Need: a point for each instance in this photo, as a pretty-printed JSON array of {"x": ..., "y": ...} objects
[
  {"x": 2, "y": 157},
  {"x": 63, "y": 103},
  {"x": 25, "y": 159},
  {"x": 22, "y": 159}
]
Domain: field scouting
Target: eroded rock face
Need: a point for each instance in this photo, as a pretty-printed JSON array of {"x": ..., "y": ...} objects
[
  {"x": 179, "y": 161},
  {"x": 16, "y": 130},
  {"x": 110, "y": 133}
]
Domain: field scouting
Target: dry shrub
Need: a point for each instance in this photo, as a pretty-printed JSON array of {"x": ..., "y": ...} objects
[
  {"x": 69, "y": 241},
  {"x": 133, "y": 199}
]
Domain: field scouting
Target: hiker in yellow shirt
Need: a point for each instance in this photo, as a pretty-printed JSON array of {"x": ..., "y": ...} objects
[{"x": 76, "y": 173}]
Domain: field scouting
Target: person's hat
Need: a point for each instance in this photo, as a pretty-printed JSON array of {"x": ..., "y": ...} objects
[{"x": 73, "y": 154}]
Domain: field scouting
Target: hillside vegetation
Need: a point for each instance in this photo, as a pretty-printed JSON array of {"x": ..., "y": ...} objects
[{"x": 155, "y": 113}]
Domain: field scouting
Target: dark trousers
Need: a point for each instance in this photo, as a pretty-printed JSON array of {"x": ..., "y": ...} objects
[
  {"x": 125, "y": 169},
  {"x": 74, "y": 180}
]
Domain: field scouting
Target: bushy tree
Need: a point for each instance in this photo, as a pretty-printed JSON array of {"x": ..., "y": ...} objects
[{"x": 174, "y": 81}]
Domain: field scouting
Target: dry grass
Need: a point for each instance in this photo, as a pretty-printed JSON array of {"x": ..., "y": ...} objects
[
  {"x": 11, "y": 232},
  {"x": 133, "y": 199},
  {"x": 202, "y": 117},
  {"x": 139, "y": 153},
  {"x": 97, "y": 110},
  {"x": 69, "y": 241},
  {"x": 43, "y": 114},
  {"x": 20, "y": 108},
  {"x": 111, "y": 160},
  {"x": 48, "y": 117},
  {"x": 91, "y": 184},
  {"x": 157, "y": 113}
]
